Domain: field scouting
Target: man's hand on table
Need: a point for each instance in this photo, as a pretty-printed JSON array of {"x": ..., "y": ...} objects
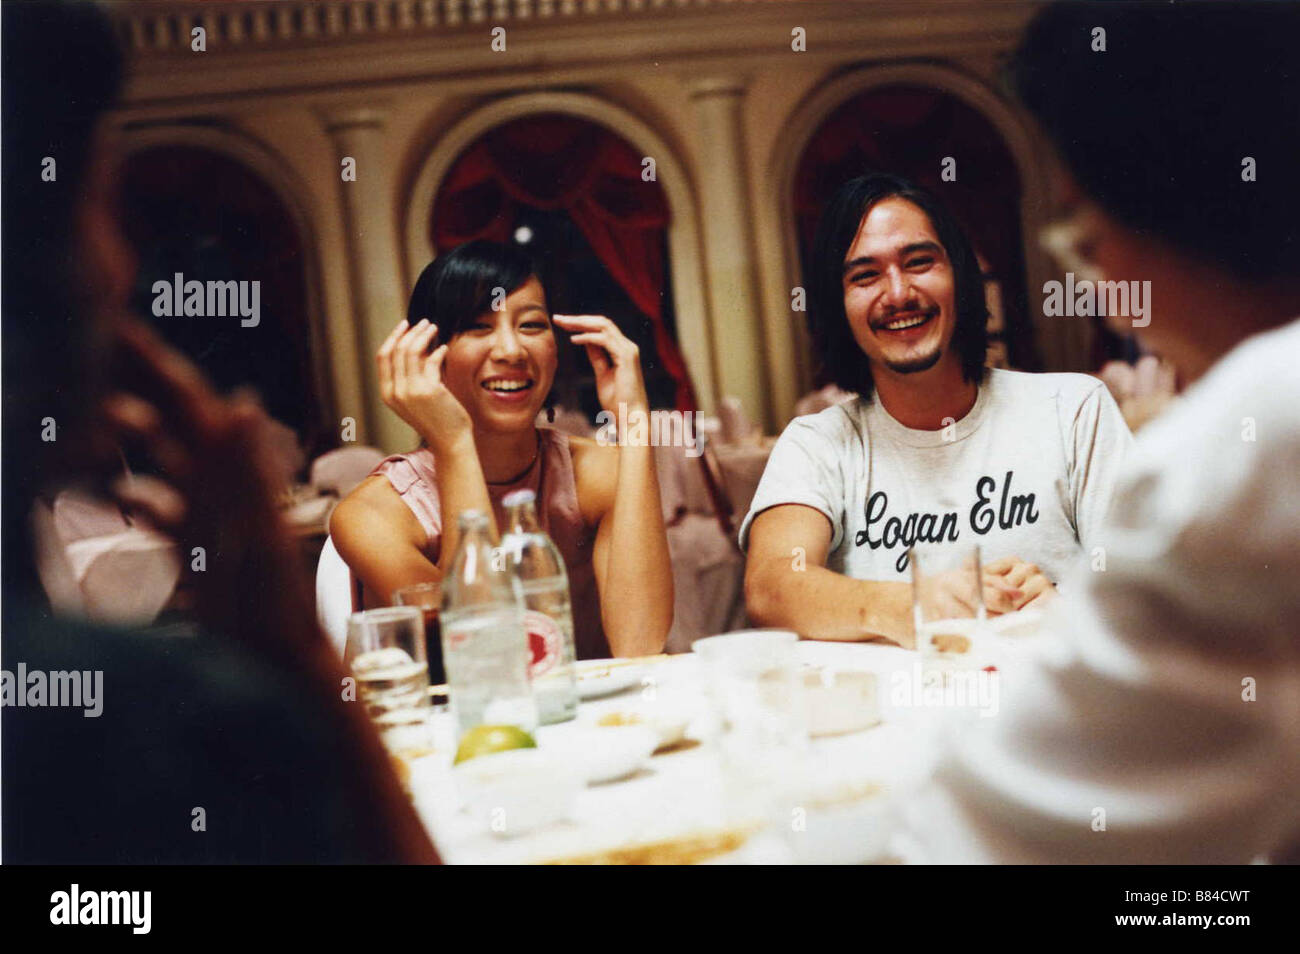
[{"x": 1017, "y": 584}]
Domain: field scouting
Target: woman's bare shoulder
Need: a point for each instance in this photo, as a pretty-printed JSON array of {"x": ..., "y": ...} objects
[{"x": 373, "y": 506}]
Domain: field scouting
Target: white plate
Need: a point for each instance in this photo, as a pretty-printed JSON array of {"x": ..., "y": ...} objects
[
  {"x": 597, "y": 680},
  {"x": 601, "y": 754}
]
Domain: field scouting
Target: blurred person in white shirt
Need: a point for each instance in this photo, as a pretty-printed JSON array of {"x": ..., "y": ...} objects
[{"x": 1160, "y": 722}]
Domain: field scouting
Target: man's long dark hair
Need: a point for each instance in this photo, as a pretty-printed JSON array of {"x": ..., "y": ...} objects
[{"x": 843, "y": 361}]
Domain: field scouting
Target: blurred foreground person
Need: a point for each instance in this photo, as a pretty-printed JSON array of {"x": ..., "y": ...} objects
[
  {"x": 1162, "y": 721},
  {"x": 231, "y": 746}
]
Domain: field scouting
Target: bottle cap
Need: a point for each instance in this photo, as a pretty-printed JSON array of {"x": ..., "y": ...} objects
[
  {"x": 517, "y": 497},
  {"x": 470, "y": 518}
]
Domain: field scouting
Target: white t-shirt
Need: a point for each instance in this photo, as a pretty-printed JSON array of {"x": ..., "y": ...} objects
[
  {"x": 1167, "y": 689},
  {"x": 1028, "y": 472}
]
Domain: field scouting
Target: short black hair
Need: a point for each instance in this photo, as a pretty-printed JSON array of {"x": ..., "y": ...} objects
[
  {"x": 843, "y": 361},
  {"x": 1157, "y": 127},
  {"x": 458, "y": 285}
]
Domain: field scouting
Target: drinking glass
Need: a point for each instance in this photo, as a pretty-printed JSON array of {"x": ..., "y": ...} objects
[
  {"x": 385, "y": 651},
  {"x": 948, "y": 612},
  {"x": 428, "y": 597},
  {"x": 754, "y": 680}
]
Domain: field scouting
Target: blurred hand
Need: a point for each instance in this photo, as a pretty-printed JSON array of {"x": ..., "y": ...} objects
[
  {"x": 219, "y": 463},
  {"x": 220, "y": 476},
  {"x": 410, "y": 382},
  {"x": 615, "y": 359},
  {"x": 1142, "y": 391}
]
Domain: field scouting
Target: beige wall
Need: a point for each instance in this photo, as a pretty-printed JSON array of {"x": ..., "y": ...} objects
[{"x": 712, "y": 90}]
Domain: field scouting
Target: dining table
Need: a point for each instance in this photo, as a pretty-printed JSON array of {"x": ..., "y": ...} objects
[{"x": 686, "y": 803}]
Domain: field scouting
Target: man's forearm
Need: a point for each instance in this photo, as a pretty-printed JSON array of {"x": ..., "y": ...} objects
[{"x": 818, "y": 603}]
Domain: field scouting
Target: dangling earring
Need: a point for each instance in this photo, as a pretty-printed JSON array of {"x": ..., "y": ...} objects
[{"x": 550, "y": 415}]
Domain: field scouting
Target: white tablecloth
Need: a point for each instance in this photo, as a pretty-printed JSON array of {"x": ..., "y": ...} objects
[{"x": 682, "y": 792}]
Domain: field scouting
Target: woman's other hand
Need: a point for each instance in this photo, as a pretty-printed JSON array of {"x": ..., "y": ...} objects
[
  {"x": 411, "y": 383},
  {"x": 615, "y": 359}
]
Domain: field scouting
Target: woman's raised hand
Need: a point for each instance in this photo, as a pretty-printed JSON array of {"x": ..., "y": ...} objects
[
  {"x": 410, "y": 382},
  {"x": 615, "y": 359}
]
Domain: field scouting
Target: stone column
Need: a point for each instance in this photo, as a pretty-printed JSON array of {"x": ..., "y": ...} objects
[
  {"x": 378, "y": 298},
  {"x": 728, "y": 226}
]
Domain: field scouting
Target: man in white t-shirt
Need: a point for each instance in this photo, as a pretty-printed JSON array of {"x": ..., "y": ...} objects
[
  {"x": 937, "y": 449},
  {"x": 1161, "y": 721}
]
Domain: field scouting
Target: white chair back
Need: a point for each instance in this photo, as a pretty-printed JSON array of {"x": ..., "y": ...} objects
[
  {"x": 340, "y": 470},
  {"x": 333, "y": 595},
  {"x": 94, "y": 564}
]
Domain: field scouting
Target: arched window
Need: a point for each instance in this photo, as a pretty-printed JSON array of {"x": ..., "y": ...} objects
[
  {"x": 910, "y": 130},
  {"x": 198, "y": 213},
  {"x": 590, "y": 211}
]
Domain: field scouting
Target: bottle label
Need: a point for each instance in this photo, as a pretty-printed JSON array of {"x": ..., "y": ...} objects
[{"x": 543, "y": 641}]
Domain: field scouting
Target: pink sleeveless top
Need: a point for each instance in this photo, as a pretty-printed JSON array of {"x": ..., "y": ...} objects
[{"x": 551, "y": 478}]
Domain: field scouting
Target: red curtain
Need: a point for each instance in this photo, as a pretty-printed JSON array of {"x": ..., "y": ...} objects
[{"x": 550, "y": 162}]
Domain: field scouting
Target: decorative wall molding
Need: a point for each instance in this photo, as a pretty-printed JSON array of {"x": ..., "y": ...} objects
[
  {"x": 159, "y": 26},
  {"x": 272, "y": 48}
]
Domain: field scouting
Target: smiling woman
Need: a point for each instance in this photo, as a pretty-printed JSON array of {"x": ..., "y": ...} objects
[{"x": 469, "y": 370}]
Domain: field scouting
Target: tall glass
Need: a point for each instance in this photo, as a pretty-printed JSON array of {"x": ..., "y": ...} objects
[
  {"x": 948, "y": 612},
  {"x": 756, "y": 686},
  {"x": 428, "y": 597},
  {"x": 385, "y": 651}
]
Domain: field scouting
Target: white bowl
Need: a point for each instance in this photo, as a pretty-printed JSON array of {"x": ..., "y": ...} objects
[
  {"x": 841, "y": 702},
  {"x": 667, "y": 723},
  {"x": 601, "y": 753},
  {"x": 517, "y": 791}
]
